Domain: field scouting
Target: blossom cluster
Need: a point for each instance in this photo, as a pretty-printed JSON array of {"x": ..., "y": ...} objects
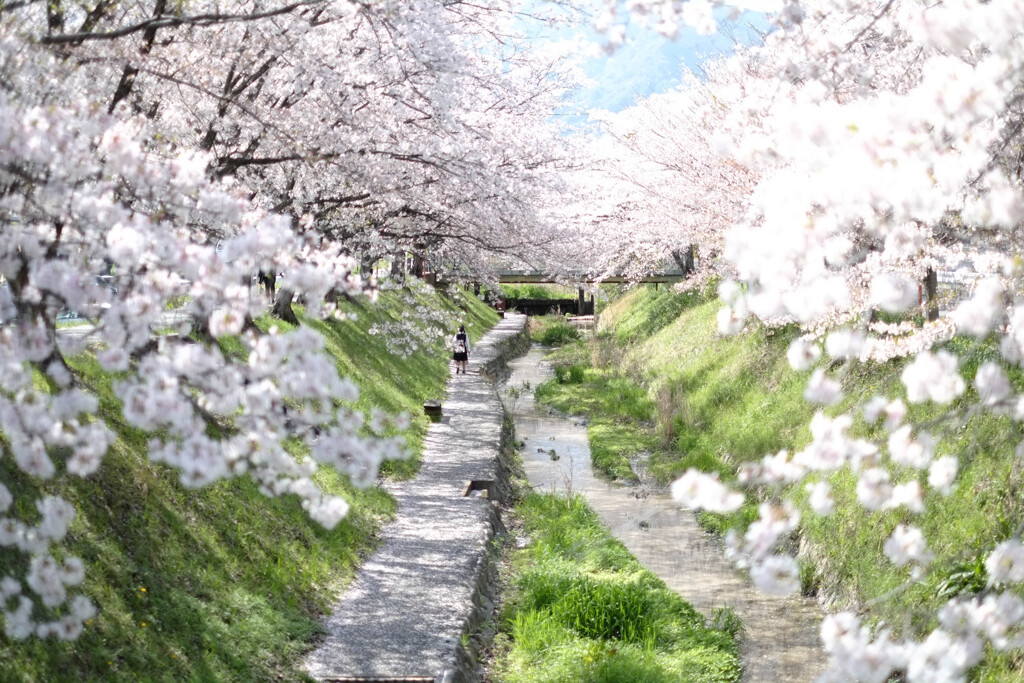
[
  {"x": 421, "y": 328},
  {"x": 874, "y": 143},
  {"x": 146, "y": 160}
]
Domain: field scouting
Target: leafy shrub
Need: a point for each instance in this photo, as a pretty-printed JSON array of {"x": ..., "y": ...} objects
[
  {"x": 967, "y": 578},
  {"x": 810, "y": 578},
  {"x": 553, "y": 331},
  {"x": 726, "y": 620},
  {"x": 569, "y": 374}
]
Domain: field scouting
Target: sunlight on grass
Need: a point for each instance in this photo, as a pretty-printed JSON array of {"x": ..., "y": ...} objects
[
  {"x": 581, "y": 608},
  {"x": 723, "y": 401},
  {"x": 220, "y": 583}
]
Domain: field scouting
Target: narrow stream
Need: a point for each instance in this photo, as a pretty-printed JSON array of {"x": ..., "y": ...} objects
[{"x": 781, "y": 634}]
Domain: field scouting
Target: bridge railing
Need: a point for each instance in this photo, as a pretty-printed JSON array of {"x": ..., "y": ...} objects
[{"x": 538, "y": 277}]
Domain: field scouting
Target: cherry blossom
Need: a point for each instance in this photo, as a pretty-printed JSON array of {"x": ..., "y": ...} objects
[
  {"x": 153, "y": 158},
  {"x": 701, "y": 491},
  {"x": 933, "y": 377},
  {"x": 802, "y": 355},
  {"x": 1006, "y": 562},
  {"x": 777, "y": 574},
  {"x": 820, "y": 498},
  {"x": 907, "y": 544},
  {"x": 942, "y": 474},
  {"x": 822, "y": 390}
]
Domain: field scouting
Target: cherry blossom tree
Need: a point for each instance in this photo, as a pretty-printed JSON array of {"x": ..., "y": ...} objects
[
  {"x": 182, "y": 149},
  {"x": 672, "y": 193},
  {"x": 883, "y": 138}
]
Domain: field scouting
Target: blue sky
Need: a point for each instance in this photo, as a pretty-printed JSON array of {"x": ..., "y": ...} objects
[{"x": 648, "y": 62}]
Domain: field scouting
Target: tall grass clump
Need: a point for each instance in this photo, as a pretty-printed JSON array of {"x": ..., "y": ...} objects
[
  {"x": 552, "y": 330},
  {"x": 579, "y": 607}
]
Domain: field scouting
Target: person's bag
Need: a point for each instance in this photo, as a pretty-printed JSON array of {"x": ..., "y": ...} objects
[{"x": 460, "y": 347}]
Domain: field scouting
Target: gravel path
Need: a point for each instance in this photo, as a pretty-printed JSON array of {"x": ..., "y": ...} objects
[{"x": 412, "y": 605}]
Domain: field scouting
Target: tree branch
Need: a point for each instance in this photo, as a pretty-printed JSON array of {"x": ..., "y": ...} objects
[{"x": 164, "y": 22}]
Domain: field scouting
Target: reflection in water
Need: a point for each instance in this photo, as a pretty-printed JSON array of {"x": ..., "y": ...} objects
[{"x": 781, "y": 634}]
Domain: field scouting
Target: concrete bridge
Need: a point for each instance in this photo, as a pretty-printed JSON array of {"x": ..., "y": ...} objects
[
  {"x": 581, "y": 305},
  {"x": 538, "y": 277}
]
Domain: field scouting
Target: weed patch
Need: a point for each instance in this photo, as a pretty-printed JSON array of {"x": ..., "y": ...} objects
[
  {"x": 582, "y": 609},
  {"x": 552, "y": 330}
]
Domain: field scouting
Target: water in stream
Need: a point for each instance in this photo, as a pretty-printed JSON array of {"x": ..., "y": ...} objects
[{"x": 781, "y": 634}]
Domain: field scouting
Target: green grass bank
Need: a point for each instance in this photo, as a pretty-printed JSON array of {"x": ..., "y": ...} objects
[
  {"x": 224, "y": 584},
  {"x": 658, "y": 383},
  {"x": 579, "y": 607}
]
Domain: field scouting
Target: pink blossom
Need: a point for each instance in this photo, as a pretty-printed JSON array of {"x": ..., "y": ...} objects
[
  {"x": 802, "y": 355},
  {"x": 907, "y": 544},
  {"x": 1006, "y": 563},
  {"x": 874, "y": 489},
  {"x": 822, "y": 390},
  {"x": 700, "y": 491},
  {"x": 977, "y": 315},
  {"x": 991, "y": 383},
  {"x": 933, "y": 377},
  {"x": 911, "y": 452},
  {"x": 942, "y": 474},
  {"x": 820, "y": 498},
  {"x": 776, "y": 574}
]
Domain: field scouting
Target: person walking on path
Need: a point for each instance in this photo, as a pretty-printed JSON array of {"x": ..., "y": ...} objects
[{"x": 461, "y": 354}]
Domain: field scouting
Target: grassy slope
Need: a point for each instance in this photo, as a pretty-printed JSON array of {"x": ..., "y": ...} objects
[
  {"x": 222, "y": 583},
  {"x": 718, "y": 402},
  {"x": 581, "y": 608}
]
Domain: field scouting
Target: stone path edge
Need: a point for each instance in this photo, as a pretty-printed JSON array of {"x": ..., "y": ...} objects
[
  {"x": 418, "y": 607},
  {"x": 466, "y": 665}
]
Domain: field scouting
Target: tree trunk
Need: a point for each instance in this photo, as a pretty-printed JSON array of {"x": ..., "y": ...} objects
[
  {"x": 580, "y": 301},
  {"x": 931, "y": 288},
  {"x": 685, "y": 260},
  {"x": 366, "y": 267},
  {"x": 398, "y": 268},
  {"x": 282, "y": 309}
]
